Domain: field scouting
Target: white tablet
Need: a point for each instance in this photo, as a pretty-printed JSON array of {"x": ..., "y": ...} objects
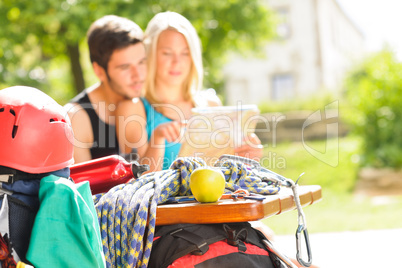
[{"x": 214, "y": 131}]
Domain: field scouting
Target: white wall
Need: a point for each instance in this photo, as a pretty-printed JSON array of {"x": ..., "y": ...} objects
[{"x": 323, "y": 44}]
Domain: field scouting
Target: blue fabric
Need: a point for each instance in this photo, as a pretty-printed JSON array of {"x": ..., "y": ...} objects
[
  {"x": 154, "y": 119},
  {"x": 26, "y": 188}
]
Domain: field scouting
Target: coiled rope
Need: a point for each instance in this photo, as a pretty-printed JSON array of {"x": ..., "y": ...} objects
[{"x": 123, "y": 210}]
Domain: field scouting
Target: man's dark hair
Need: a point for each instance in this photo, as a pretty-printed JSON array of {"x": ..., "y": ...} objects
[{"x": 110, "y": 33}]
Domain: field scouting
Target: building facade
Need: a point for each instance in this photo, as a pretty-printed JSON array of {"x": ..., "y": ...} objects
[{"x": 316, "y": 45}]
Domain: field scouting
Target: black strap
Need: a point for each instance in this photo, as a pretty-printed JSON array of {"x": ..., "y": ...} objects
[
  {"x": 194, "y": 239},
  {"x": 11, "y": 175}
]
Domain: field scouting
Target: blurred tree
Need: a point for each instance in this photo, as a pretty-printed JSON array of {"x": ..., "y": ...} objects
[
  {"x": 36, "y": 36},
  {"x": 374, "y": 91}
]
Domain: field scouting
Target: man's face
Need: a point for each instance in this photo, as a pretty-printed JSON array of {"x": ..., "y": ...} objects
[{"x": 127, "y": 71}]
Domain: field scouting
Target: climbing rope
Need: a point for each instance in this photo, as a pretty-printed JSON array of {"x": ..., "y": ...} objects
[{"x": 127, "y": 230}]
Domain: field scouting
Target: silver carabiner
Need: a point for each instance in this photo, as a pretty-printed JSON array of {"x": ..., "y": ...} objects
[
  {"x": 299, "y": 258},
  {"x": 302, "y": 226}
]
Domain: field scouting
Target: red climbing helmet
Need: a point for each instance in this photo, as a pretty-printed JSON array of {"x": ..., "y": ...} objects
[{"x": 35, "y": 131}]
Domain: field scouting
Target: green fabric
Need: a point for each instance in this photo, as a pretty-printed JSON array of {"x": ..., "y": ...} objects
[{"x": 66, "y": 230}]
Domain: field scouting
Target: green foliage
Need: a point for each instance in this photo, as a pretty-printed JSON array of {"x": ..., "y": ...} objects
[
  {"x": 374, "y": 91},
  {"x": 35, "y": 34}
]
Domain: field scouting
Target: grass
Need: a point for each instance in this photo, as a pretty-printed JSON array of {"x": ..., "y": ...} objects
[{"x": 333, "y": 165}]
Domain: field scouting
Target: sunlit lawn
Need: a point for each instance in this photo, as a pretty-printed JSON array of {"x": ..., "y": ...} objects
[{"x": 333, "y": 165}]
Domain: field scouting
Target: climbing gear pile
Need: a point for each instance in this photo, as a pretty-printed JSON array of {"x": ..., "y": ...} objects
[{"x": 123, "y": 210}]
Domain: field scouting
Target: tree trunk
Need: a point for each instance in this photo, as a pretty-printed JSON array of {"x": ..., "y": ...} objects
[{"x": 76, "y": 69}]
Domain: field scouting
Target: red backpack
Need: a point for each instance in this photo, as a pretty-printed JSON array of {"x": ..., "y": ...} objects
[{"x": 210, "y": 245}]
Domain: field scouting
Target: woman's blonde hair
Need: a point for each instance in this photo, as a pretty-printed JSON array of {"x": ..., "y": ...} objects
[{"x": 174, "y": 21}]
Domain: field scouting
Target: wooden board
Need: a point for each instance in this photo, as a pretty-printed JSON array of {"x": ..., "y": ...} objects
[{"x": 236, "y": 211}]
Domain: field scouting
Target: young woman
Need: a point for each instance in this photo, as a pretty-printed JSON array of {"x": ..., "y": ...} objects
[{"x": 154, "y": 124}]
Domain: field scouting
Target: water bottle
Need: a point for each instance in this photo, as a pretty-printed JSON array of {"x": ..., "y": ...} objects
[{"x": 105, "y": 172}]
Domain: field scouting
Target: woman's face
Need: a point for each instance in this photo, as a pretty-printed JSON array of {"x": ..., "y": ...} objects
[{"x": 173, "y": 59}]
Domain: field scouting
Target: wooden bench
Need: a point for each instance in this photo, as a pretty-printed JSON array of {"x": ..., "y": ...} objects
[{"x": 240, "y": 210}]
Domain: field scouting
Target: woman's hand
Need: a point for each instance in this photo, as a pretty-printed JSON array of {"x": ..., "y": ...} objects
[
  {"x": 171, "y": 132},
  {"x": 251, "y": 148},
  {"x": 154, "y": 155}
]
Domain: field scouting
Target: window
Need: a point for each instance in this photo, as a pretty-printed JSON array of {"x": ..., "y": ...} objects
[
  {"x": 282, "y": 87},
  {"x": 283, "y": 27}
]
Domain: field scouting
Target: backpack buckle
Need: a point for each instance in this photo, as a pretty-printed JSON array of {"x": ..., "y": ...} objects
[{"x": 234, "y": 238}]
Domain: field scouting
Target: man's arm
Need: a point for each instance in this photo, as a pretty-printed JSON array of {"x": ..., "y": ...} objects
[{"x": 83, "y": 134}]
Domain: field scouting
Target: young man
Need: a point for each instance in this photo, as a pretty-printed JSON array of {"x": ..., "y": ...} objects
[{"x": 119, "y": 61}]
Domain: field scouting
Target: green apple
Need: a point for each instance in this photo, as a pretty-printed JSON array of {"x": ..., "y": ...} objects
[{"x": 207, "y": 184}]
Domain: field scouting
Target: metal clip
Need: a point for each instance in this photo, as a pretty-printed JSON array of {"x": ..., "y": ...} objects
[
  {"x": 301, "y": 227},
  {"x": 299, "y": 246}
]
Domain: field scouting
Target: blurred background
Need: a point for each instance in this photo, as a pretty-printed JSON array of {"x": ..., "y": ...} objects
[{"x": 326, "y": 75}]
